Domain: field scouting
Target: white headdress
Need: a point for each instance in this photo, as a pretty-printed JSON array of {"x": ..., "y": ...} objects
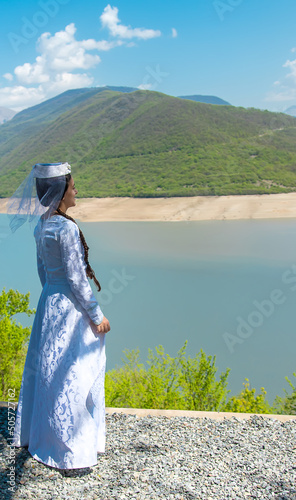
[{"x": 40, "y": 192}]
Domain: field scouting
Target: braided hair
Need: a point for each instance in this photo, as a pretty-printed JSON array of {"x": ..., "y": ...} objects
[
  {"x": 89, "y": 271},
  {"x": 41, "y": 186}
]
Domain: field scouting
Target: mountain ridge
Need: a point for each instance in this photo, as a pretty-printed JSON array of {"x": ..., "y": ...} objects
[
  {"x": 147, "y": 144},
  {"x": 208, "y": 99},
  {"x": 6, "y": 114},
  {"x": 291, "y": 111}
]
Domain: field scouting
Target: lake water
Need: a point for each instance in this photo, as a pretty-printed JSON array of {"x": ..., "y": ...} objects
[{"x": 228, "y": 287}]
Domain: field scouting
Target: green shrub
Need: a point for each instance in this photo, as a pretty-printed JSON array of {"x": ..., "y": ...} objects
[
  {"x": 167, "y": 382},
  {"x": 248, "y": 402},
  {"x": 287, "y": 404},
  {"x": 13, "y": 341}
]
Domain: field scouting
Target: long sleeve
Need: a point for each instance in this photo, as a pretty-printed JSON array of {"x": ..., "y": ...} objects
[
  {"x": 74, "y": 265},
  {"x": 41, "y": 270},
  {"x": 40, "y": 265}
]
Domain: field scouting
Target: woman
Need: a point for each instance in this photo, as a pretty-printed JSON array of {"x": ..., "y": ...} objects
[{"x": 61, "y": 412}]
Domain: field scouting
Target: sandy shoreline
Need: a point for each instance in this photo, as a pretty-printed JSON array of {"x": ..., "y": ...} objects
[{"x": 266, "y": 206}]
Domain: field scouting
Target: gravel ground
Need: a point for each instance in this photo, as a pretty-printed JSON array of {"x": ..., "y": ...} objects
[{"x": 175, "y": 458}]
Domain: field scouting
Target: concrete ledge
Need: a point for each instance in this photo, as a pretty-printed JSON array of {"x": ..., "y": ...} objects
[{"x": 215, "y": 415}]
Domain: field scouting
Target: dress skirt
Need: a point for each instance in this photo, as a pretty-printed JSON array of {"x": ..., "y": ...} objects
[{"x": 61, "y": 409}]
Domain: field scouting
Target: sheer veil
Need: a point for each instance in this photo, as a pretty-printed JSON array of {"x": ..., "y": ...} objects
[{"x": 46, "y": 180}]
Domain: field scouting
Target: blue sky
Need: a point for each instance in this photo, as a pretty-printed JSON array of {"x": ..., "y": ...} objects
[{"x": 243, "y": 51}]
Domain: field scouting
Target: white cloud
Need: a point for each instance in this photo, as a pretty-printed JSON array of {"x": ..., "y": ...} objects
[
  {"x": 285, "y": 89},
  {"x": 51, "y": 73},
  {"x": 174, "y": 33},
  {"x": 15, "y": 97},
  {"x": 63, "y": 61},
  {"x": 66, "y": 81},
  {"x": 104, "y": 45},
  {"x": 32, "y": 73},
  {"x": 59, "y": 53},
  {"x": 8, "y": 76},
  {"x": 110, "y": 20},
  {"x": 62, "y": 51},
  {"x": 145, "y": 86},
  {"x": 284, "y": 95},
  {"x": 292, "y": 67}
]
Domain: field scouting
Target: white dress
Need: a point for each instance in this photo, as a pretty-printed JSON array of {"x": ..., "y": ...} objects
[{"x": 61, "y": 409}]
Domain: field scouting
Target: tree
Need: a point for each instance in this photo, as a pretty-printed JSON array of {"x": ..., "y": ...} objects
[
  {"x": 135, "y": 386},
  {"x": 167, "y": 382},
  {"x": 287, "y": 404},
  {"x": 13, "y": 340},
  {"x": 248, "y": 402},
  {"x": 201, "y": 390}
]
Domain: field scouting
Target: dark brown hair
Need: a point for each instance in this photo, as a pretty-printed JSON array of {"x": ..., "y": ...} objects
[{"x": 89, "y": 271}]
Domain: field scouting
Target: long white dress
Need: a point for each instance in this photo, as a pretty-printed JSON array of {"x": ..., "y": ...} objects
[{"x": 61, "y": 409}]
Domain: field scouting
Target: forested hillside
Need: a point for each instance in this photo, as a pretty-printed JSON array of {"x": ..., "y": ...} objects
[{"x": 148, "y": 144}]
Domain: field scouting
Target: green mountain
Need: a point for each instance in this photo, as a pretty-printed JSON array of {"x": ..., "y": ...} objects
[{"x": 147, "y": 144}]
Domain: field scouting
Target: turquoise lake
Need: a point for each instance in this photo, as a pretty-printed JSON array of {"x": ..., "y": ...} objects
[{"x": 228, "y": 287}]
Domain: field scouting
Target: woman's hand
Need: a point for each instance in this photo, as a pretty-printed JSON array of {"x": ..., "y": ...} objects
[{"x": 103, "y": 327}]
